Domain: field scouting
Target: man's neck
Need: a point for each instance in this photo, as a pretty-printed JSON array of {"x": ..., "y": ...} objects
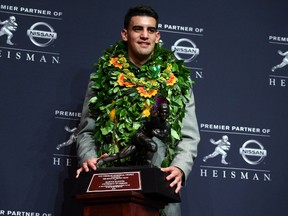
[{"x": 138, "y": 63}]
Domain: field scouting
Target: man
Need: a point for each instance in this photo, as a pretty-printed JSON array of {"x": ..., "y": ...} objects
[{"x": 140, "y": 38}]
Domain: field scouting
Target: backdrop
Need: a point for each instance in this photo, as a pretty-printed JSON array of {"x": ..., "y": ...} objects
[{"x": 237, "y": 53}]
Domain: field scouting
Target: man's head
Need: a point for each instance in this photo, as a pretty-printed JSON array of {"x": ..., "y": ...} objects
[
  {"x": 140, "y": 10},
  {"x": 140, "y": 33}
]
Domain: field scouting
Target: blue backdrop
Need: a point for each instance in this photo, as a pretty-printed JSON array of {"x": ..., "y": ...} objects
[{"x": 237, "y": 53}]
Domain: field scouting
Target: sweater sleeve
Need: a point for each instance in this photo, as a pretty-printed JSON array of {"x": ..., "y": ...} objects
[
  {"x": 85, "y": 143},
  {"x": 186, "y": 150}
]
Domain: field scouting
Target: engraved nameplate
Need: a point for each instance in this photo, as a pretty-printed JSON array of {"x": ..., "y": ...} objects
[{"x": 116, "y": 181}]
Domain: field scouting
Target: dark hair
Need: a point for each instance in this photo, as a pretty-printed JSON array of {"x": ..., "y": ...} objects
[{"x": 140, "y": 10}]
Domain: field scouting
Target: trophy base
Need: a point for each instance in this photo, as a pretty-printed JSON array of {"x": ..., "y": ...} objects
[{"x": 147, "y": 180}]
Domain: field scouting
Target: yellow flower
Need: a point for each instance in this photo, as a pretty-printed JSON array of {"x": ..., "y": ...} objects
[
  {"x": 168, "y": 69},
  {"x": 146, "y": 111},
  {"x": 112, "y": 114},
  {"x": 134, "y": 80},
  {"x": 126, "y": 65},
  {"x": 130, "y": 75},
  {"x": 122, "y": 59},
  {"x": 141, "y": 82},
  {"x": 162, "y": 80},
  {"x": 155, "y": 84}
]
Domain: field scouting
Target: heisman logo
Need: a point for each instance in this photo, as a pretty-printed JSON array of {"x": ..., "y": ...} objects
[
  {"x": 187, "y": 51},
  {"x": 8, "y": 27},
  {"x": 249, "y": 154},
  {"x": 222, "y": 146},
  {"x": 284, "y": 60},
  {"x": 74, "y": 131},
  {"x": 41, "y": 34}
]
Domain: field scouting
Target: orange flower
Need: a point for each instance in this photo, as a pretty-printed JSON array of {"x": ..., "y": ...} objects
[
  {"x": 147, "y": 94},
  {"x": 121, "y": 81},
  {"x": 114, "y": 61},
  {"x": 171, "y": 80}
]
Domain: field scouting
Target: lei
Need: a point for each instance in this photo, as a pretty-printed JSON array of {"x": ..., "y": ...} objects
[{"x": 123, "y": 100}]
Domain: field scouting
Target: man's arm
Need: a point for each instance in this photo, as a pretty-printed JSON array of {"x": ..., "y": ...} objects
[
  {"x": 183, "y": 161},
  {"x": 86, "y": 149},
  {"x": 85, "y": 143}
]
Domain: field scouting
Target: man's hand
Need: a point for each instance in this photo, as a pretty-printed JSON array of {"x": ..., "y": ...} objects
[
  {"x": 176, "y": 174},
  {"x": 90, "y": 163}
]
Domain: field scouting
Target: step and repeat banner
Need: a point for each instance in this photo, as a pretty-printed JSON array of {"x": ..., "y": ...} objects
[{"x": 238, "y": 54}]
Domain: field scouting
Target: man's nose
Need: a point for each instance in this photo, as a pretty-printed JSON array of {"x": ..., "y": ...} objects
[{"x": 144, "y": 33}]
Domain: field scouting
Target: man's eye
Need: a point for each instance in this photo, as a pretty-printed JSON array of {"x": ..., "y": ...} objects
[
  {"x": 137, "y": 28},
  {"x": 152, "y": 30}
]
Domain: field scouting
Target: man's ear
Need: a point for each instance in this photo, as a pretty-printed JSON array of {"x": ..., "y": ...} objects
[
  {"x": 158, "y": 36},
  {"x": 124, "y": 35}
]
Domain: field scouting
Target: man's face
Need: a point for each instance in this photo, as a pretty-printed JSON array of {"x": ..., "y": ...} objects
[{"x": 141, "y": 37}]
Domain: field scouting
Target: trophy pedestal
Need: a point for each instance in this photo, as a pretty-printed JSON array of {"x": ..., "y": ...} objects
[{"x": 124, "y": 191}]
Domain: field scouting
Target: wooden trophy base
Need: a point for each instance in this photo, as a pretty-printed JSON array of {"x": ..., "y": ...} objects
[
  {"x": 122, "y": 203},
  {"x": 140, "y": 191}
]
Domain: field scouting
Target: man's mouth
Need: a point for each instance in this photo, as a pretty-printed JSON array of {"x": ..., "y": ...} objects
[{"x": 144, "y": 44}]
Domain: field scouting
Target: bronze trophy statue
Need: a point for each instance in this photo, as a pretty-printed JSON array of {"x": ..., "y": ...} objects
[{"x": 142, "y": 147}]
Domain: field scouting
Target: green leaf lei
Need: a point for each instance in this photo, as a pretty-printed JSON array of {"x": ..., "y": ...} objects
[{"x": 123, "y": 99}]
